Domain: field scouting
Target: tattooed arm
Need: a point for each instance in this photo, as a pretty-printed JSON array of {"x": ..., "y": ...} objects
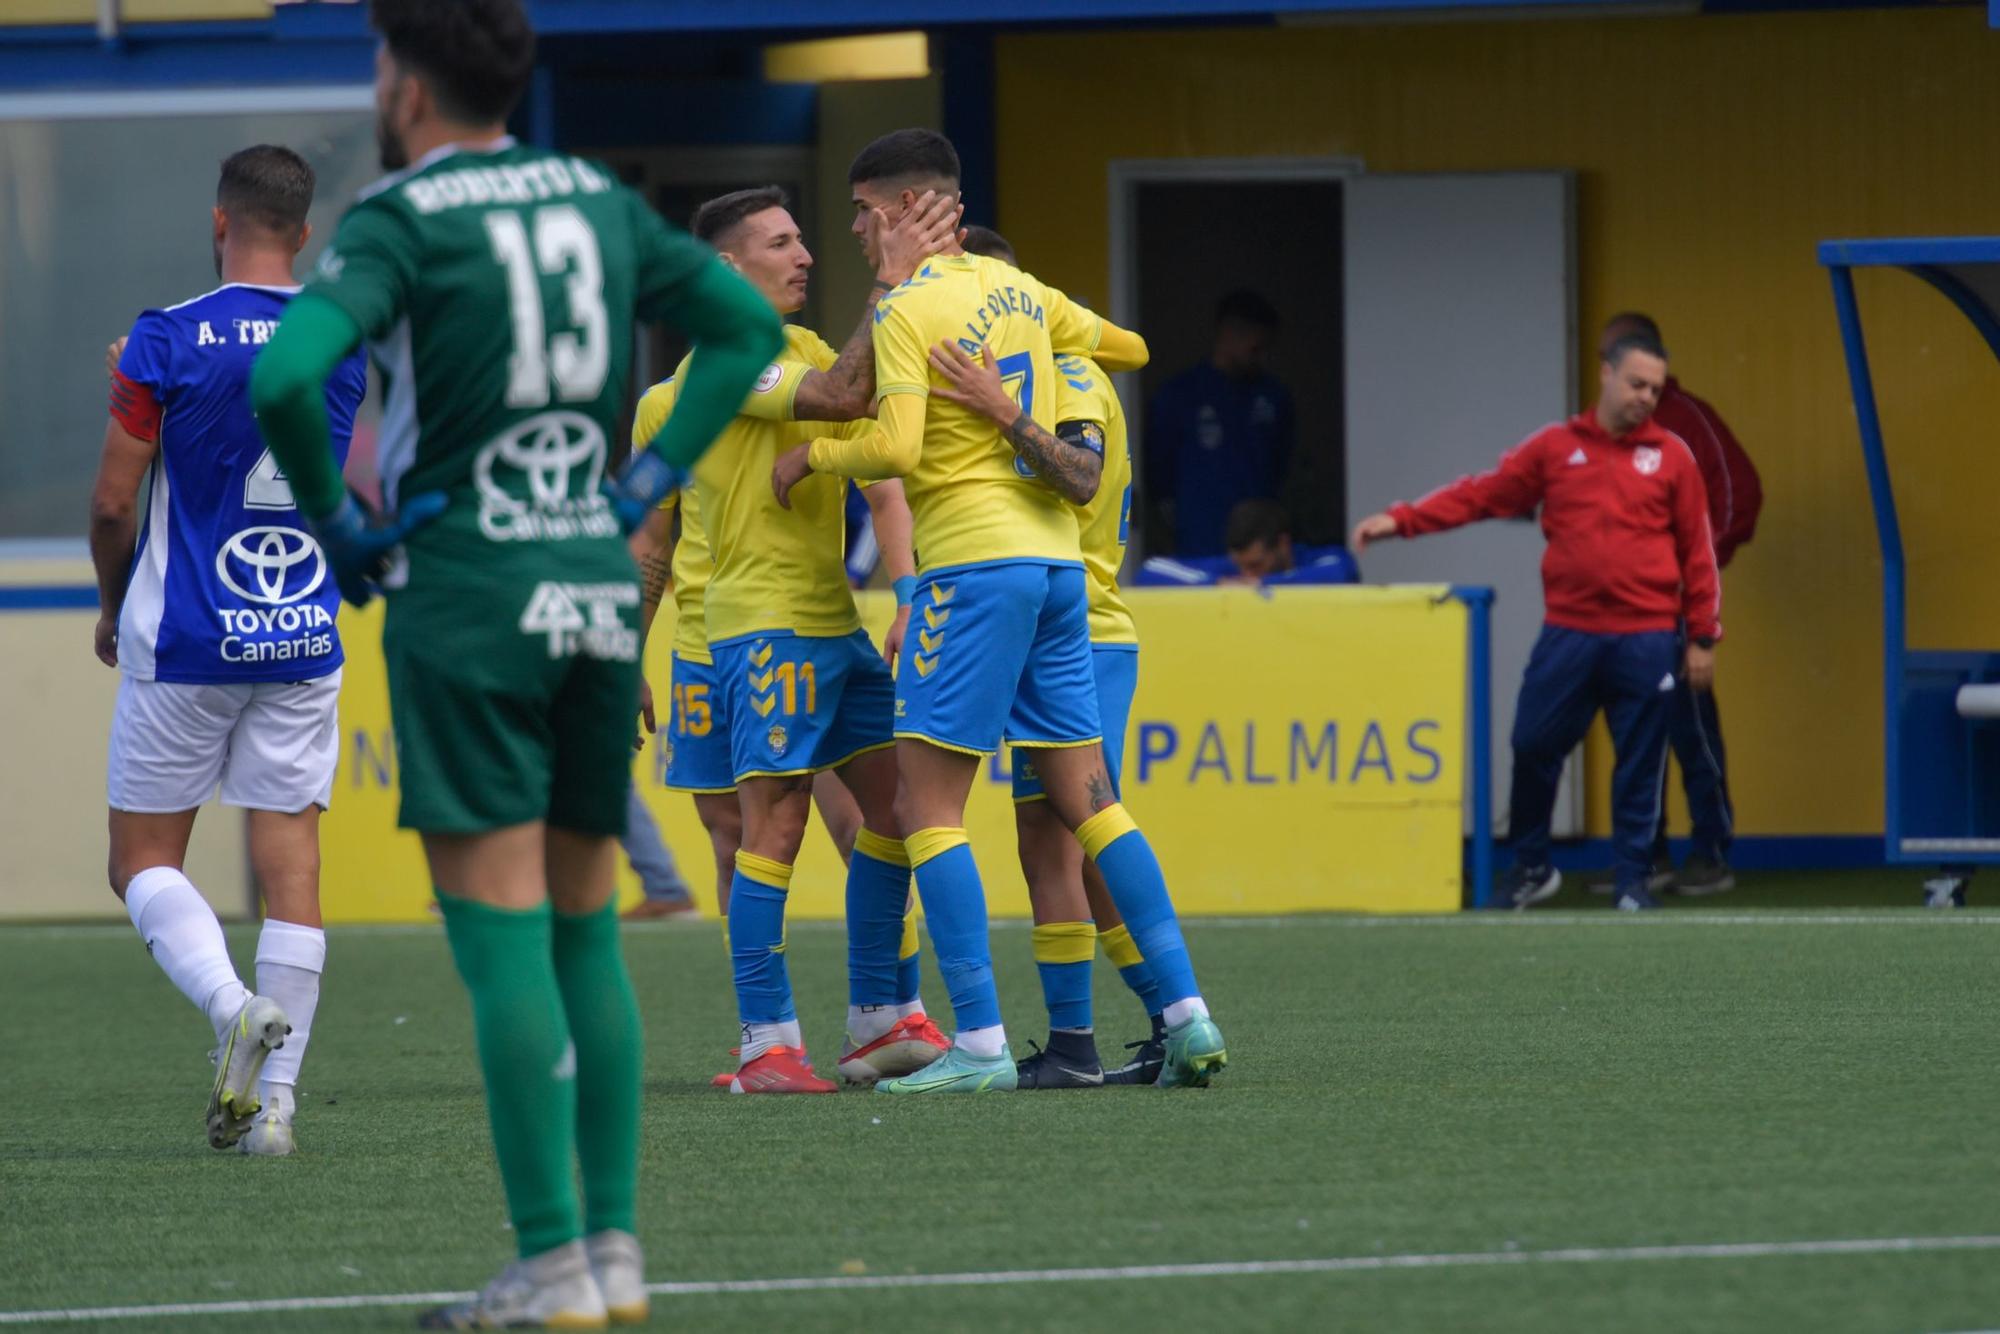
[
  {"x": 652, "y": 547},
  {"x": 1070, "y": 467},
  {"x": 846, "y": 389}
]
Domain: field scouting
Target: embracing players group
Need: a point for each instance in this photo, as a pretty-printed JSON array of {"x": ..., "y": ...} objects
[{"x": 496, "y": 287}]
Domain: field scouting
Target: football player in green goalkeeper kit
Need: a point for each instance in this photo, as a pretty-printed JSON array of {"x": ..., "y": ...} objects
[{"x": 497, "y": 286}]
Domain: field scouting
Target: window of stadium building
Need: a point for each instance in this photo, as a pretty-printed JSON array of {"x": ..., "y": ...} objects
[{"x": 82, "y": 252}]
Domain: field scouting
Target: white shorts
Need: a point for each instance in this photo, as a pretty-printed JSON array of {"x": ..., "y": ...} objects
[{"x": 270, "y": 746}]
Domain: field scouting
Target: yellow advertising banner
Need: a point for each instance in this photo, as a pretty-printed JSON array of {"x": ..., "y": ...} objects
[{"x": 1291, "y": 750}]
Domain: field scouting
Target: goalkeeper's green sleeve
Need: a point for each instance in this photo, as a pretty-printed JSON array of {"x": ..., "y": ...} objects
[
  {"x": 736, "y": 334},
  {"x": 288, "y": 393}
]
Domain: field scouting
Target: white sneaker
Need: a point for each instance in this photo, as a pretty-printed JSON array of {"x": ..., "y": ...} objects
[
  {"x": 620, "y": 1270},
  {"x": 258, "y": 1029},
  {"x": 553, "y": 1290},
  {"x": 270, "y": 1134}
]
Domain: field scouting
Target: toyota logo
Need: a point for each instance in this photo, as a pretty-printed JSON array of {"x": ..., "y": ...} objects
[
  {"x": 545, "y": 449},
  {"x": 279, "y": 565}
]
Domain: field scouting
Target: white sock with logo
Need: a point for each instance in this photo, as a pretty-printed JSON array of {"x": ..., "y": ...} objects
[
  {"x": 290, "y": 959},
  {"x": 865, "y": 1023},
  {"x": 1181, "y": 1011},
  {"x": 760, "y": 1038},
  {"x": 185, "y": 939},
  {"x": 985, "y": 1043}
]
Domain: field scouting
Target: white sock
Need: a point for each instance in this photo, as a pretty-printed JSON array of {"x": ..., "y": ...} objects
[
  {"x": 865, "y": 1023},
  {"x": 1183, "y": 1010},
  {"x": 985, "y": 1043},
  {"x": 184, "y": 938},
  {"x": 279, "y": 1098},
  {"x": 907, "y": 1008},
  {"x": 290, "y": 958},
  {"x": 760, "y": 1038}
]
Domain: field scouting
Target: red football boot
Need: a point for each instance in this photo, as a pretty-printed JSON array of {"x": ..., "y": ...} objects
[
  {"x": 780, "y": 1070},
  {"x": 905, "y": 1049}
]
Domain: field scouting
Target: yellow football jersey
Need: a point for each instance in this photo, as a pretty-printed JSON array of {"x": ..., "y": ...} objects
[
  {"x": 972, "y": 501},
  {"x": 1084, "y": 394},
  {"x": 776, "y": 569},
  {"x": 692, "y": 563}
]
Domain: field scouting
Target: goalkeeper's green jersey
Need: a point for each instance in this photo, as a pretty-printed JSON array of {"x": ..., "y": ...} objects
[{"x": 497, "y": 289}]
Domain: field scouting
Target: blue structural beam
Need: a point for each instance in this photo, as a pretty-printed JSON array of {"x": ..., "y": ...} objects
[
  {"x": 1479, "y": 736},
  {"x": 1939, "y": 770}
]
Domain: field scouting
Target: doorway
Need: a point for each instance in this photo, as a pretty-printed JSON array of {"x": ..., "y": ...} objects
[{"x": 1187, "y": 233}]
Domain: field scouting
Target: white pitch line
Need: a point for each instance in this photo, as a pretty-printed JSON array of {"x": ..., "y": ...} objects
[
  {"x": 1752, "y": 1250},
  {"x": 1779, "y": 917}
]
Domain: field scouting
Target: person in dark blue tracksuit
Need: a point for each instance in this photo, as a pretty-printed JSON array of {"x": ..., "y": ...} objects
[{"x": 1218, "y": 433}]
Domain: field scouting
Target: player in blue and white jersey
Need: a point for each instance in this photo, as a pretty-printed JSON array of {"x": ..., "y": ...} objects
[{"x": 218, "y": 609}]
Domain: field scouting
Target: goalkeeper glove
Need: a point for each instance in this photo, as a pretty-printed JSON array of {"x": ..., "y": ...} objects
[
  {"x": 359, "y": 542},
  {"x": 648, "y": 479}
]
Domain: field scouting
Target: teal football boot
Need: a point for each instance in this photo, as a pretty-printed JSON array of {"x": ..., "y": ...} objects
[
  {"x": 1194, "y": 1052},
  {"x": 958, "y": 1071}
]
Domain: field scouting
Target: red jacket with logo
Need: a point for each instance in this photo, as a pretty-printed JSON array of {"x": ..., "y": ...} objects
[
  {"x": 1626, "y": 519},
  {"x": 1735, "y": 492}
]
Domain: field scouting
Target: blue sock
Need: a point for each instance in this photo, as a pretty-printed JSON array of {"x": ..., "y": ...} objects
[
  {"x": 878, "y": 889},
  {"x": 757, "y": 940},
  {"x": 909, "y": 975},
  {"x": 1123, "y": 951},
  {"x": 1063, "y": 954},
  {"x": 1132, "y": 873},
  {"x": 955, "y": 907}
]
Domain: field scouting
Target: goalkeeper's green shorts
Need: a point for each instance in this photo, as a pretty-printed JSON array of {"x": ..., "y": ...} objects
[{"x": 514, "y": 701}]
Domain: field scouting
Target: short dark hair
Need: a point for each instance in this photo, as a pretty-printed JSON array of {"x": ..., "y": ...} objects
[
  {"x": 985, "y": 241},
  {"x": 1635, "y": 322},
  {"x": 475, "y": 55},
  {"x": 1255, "y": 521},
  {"x": 1247, "y": 306},
  {"x": 906, "y": 155},
  {"x": 266, "y": 186},
  {"x": 723, "y": 214},
  {"x": 1614, "y": 355}
]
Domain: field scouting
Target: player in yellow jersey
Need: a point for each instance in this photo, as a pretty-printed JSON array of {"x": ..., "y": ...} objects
[
  {"x": 1072, "y": 907},
  {"x": 802, "y": 688},
  {"x": 1001, "y": 643},
  {"x": 695, "y": 750}
]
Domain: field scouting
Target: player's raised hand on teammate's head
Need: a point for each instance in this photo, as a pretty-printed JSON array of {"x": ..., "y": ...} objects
[
  {"x": 1374, "y": 528},
  {"x": 975, "y": 384},
  {"x": 793, "y": 466},
  {"x": 112, "y": 355},
  {"x": 927, "y": 228}
]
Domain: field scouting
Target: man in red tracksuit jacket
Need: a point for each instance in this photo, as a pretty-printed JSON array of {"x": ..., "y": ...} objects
[
  {"x": 1694, "y": 731},
  {"x": 1630, "y": 561}
]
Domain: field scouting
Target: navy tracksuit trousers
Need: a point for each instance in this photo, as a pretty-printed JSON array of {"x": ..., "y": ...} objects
[
  {"x": 1695, "y": 732},
  {"x": 1571, "y": 675}
]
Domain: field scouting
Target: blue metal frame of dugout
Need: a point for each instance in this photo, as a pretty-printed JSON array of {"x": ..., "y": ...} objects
[
  {"x": 1942, "y": 781},
  {"x": 1479, "y": 742}
]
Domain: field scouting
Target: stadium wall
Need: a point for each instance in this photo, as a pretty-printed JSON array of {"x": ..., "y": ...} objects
[{"x": 1712, "y": 153}]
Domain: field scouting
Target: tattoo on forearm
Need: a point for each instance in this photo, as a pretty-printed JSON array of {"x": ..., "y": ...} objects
[
  {"x": 655, "y": 573},
  {"x": 1101, "y": 794},
  {"x": 1072, "y": 471},
  {"x": 852, "y": 375}
]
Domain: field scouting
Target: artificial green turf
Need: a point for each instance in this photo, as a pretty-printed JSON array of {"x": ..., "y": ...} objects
[{"x": 1394, "y": 1088}]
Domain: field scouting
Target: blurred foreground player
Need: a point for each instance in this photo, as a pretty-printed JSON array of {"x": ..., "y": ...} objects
[
  {"x": 218, "y": 612},
  {"x": 1629, "y": 561},
  {"x": 498, "y": 285}
]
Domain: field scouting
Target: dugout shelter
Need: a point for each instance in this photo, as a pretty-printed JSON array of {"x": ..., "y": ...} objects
[{"x": 1940, "y": 707}]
